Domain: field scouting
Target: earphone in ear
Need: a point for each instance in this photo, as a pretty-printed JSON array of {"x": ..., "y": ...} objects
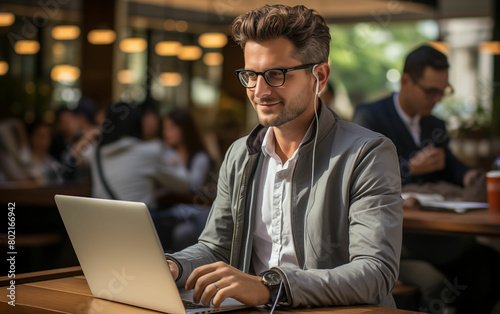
[
  {"x": 317, "y": 79},
  {"x": 314, "y": 148}
]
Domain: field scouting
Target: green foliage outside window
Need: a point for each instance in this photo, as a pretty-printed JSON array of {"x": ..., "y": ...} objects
[{"x": 362, "y": 53}]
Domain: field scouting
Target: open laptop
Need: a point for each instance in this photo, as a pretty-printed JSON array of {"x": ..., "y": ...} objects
[{"x": 121, "y": 256}]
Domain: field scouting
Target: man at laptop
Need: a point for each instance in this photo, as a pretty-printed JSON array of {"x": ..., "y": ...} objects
[{"x": 308, "y": 208}]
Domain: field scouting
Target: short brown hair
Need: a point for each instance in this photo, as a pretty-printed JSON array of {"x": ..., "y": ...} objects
[{"x": 304, "y": 27}]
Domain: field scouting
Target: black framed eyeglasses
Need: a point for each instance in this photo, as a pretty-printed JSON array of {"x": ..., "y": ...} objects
[
  {"x": 274, "y": 77},
  {"x": 435, "y": 92}
]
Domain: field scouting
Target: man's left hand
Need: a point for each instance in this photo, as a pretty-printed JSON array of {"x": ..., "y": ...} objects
[{"x": 219, "y": 281}]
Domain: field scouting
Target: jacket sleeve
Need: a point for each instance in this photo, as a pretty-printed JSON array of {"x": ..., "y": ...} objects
[
  {"x": 367, "y": 118},
  {"x": 374, "y": 220}
]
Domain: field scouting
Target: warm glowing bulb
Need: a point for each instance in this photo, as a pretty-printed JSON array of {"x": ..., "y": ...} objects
[
  {"x": 132, "y": 45},
  {"x": 4, "y": 68},
  {"x": 181, "y": 26},
  {"x": 65, "y": 32},
  {"x": 213, "y": 40},
  {"x": 169, "y": 25},
  {"x": 168, "y": 48},
  {"x": 101, "y": 36},
  {"x": 213, "y": 58},
  {"x": 27, "y": 47},
  {"x": 190, "y": 53},
  {"x": 64, "y": 73},
  {"x": 440, "y": 46},
  {"x": 7, "y": 19},
  {"x": 490, "y": 47},
  {"x": 170, "y": 79},
  {"x": 127, "y": 77}
]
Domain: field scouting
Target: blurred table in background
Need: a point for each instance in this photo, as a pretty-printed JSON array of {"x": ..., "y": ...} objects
[
  {"x": 41, "y": 241},
  {"x": 34, "y": 194},
  {"x": 478, "y": 222}
]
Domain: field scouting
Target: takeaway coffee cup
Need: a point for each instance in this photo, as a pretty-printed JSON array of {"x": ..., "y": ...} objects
[{"x": 493, "y": 184}]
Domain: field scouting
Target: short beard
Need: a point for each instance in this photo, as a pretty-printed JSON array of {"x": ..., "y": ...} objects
[{"x": 285, "y": 116}]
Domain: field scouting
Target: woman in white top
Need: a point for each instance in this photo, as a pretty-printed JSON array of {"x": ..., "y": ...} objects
[{"x": 125, "y": 167}]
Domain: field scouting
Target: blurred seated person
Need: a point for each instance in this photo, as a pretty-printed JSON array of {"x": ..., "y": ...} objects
[
  {"x": 185, "y": 150},
  {"x": 44, "y": 168},
  {"x": 67, "y": 133},
  {"x": 421, "y": 141},
  {"x": 85, "y": 113},
  {"x": 151, "y": 129},
  {"x": 405, "y": 117},
  {"x": 125, "y": 167},
  {"x": 14, "y": 151}
]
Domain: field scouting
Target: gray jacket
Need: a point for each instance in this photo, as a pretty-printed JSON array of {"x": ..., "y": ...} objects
[{"x": 347, "y": 233}]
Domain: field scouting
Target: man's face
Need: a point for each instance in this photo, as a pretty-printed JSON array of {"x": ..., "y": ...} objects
[
  {"x": 424, "y": 93},
  {"x": 289, "y": 104}
]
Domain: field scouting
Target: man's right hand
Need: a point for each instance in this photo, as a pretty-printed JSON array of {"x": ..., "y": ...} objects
[{"x": 429, "y": 159}]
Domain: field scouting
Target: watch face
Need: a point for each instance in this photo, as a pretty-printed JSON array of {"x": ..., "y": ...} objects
[{"x": 271, "y": 278}]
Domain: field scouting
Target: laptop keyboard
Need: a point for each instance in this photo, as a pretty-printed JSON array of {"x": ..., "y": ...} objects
[{"x": 191, "y": 305}]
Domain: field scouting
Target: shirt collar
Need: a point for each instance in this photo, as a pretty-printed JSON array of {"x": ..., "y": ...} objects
[
  {"x": 403, "y": 115},
  {"x": 269, "y": 143}
]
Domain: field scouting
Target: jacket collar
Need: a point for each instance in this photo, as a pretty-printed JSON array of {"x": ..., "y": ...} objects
[{"x": 327, "y": 119}]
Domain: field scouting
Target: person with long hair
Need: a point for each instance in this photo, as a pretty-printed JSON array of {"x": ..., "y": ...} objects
[
  {"x": 186, "y": 150},
  {"x": 180, "y": 133},
  {"x": 126, "y": 167}
]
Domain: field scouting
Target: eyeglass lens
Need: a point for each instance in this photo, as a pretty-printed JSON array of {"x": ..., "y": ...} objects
[{"x": 272, "y": 77}]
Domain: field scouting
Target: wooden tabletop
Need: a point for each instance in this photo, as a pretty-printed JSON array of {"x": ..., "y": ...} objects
[
  {"x": 473, "y": 222},
  {"x": 54, "y": 292}
]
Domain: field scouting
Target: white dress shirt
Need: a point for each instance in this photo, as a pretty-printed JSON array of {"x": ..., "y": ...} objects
[
  {"x": 412, "y": 123},
  {"x": 272, "y": 237}
]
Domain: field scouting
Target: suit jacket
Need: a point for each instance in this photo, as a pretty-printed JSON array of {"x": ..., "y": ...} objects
[{"x": 382, "y": 117}]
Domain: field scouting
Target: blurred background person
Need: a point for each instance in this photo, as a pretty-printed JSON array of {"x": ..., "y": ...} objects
[
  {"x": 67, "y": 132},
  {"x": 44, "y": 168},
  {"x": 426, "y": 162},
  {"x": 14, "y": 151},
  {"x": 186, "y": 150},
  {"x": 85, "y": 113},
  {"x": 405, "y": 117},
  {"x": 123, "y": 165},
  {"x": 151, "y": 122}
]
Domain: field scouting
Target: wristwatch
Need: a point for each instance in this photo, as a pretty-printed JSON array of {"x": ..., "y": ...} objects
[{"x": 272, "y": 281}]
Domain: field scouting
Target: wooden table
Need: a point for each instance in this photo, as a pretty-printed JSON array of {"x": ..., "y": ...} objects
[
  {"x": 474, "y": 222},
  {"x": 66, "y": 291}
]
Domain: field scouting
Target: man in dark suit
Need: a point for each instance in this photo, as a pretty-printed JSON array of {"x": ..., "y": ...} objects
[
  {"x": 432, "y": 262},
  {"x": 405, "y": 117}
]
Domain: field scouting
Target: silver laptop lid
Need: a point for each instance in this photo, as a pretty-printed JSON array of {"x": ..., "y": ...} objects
[{"x": 119, "y": 252}]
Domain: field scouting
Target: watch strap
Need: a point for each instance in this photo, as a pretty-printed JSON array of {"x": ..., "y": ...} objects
[{"x": 276, "y": 291}]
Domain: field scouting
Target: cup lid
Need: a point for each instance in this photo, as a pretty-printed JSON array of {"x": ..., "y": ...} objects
[{"x": 493, "y": 174}]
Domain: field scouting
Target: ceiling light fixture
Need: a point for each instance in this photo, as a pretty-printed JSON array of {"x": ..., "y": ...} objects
[
  {"x": 101, "y": 36},
  {"x": 212, "y": 40}
]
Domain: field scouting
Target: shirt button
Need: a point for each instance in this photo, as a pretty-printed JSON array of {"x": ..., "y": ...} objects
[{"x": 277, "y": 213}]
